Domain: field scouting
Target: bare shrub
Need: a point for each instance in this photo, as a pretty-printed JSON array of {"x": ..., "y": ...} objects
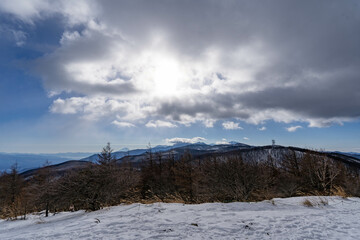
[{"x": 307, "y": 203}]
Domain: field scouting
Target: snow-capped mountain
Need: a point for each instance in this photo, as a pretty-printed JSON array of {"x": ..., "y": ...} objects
[{"x": 127, "y": 152}]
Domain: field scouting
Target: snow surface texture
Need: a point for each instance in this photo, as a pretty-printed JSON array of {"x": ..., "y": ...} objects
[{"x": 277, "y": 219}]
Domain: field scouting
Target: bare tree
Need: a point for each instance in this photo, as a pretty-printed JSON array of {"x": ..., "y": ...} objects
[
  {"x": 43, "y": 187},
  {"x": 14, "y": 197}
]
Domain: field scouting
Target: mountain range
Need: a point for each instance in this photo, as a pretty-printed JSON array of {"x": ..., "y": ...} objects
[{"x": 200, "y": 150}]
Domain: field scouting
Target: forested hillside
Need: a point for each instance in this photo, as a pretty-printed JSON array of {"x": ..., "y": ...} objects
[{"x": 250, "y": 175}]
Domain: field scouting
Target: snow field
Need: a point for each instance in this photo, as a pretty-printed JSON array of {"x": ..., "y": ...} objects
[{"x": 279, "y": 218}]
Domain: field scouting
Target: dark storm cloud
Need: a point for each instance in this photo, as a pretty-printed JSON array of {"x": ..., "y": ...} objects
[
  {"x": 216, "y": 107},
  {"x": 337, "y": 95}
]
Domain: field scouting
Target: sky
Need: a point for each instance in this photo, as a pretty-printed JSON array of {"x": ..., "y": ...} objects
[{"x": 75, "y": 75}]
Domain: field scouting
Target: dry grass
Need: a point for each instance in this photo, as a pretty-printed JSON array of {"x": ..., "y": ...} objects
[
  {"x": 307, "y": 203},
  {"x": 339, "y": 191},
  {"x": 320, "y": 201}
]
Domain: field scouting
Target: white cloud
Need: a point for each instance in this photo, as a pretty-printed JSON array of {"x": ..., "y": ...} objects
[
  {"x": 209, "y": 123},
  {"x": 74, "y": 12},
  {"x": 245, "y": 138},
  {"x": 68, "y": 106},
  {"x": 19, "y": 37},
  {"x": 223, "y": 141},
  {"x": 122, "y": 124},
  {"x": 160, "y": 123},
  {"x": 263, "y": 128},
  {"x": 8, "y": 32},
  {"x": 24, "y": 10},
  {"x": 91, "y": 108},
  {"x": 322, "y": 123},
  {"x": 184, "y": 140},
  {"x": 231, "y": 126},
  {"x": 293, "y": 128}
]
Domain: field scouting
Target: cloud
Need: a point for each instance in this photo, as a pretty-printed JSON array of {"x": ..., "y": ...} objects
[
  {"x": 160, "y": 123},
  {"x": 293, "y": 128},
  {"x": 321, "y": 123},
  {"x": 245, "y": 138},
  {"x": 93, "y": 108},
  {"x": 243, "y": 60},
  {"x": 263, "y": 128},
  {"x": 185, "y": 140},
  {"x": 209, "y": 123},
  {"x": 223, "y": 141},
  {"x": 31, "y": 10},
  {"x": 20, "y": 37},
  {"x": 68, "y": 106},
  {"x": 7, "y": 32},
  {"x": 122, "y": 124},
  {"x": 231, "y": 126}
]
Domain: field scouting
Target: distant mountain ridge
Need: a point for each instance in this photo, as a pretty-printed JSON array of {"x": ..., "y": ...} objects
[
  {"x": 27, "y": 161},
  {"x": 351, "y": 154},
  {"x": 137, "y": 155},
  {"x": 156, "y": 149},
  {"x": 199, "y": 150}
]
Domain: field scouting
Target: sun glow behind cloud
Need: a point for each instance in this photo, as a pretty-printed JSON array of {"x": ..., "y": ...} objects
[
  {"x": 155, "y": 75},
  {"x": 167, "y": 77}
]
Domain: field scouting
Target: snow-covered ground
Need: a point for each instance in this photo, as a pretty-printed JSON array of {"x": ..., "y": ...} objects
[{"x": 278, "y": 219}]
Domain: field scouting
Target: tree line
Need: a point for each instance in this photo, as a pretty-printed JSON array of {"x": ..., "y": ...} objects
[{"x": 162, "y": 177}]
